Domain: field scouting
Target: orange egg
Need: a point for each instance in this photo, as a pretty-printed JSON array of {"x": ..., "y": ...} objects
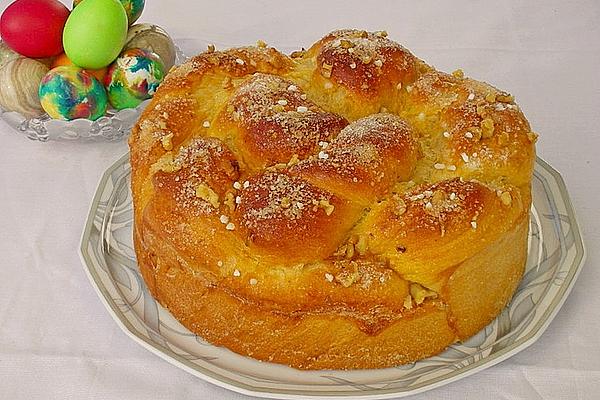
[{"x": 64, "y": 60}]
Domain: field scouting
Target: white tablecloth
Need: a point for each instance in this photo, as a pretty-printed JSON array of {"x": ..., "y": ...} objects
[{"x": 58, "y": 342}]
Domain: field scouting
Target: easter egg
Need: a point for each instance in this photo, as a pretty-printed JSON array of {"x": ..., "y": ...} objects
[
  {"x": 153, "y": 38},
  {"x": 95, "y": 33},
  {"x": 64, "y": 60},
  {"x": 19, "y": 82},
  {"x": 133, "y": 8},
  {"x": 69, "y": 92},
  {"x": 7, "y": 54},
  {"x": 133, "y": 78},
  {"x": 34, "y": 28}
]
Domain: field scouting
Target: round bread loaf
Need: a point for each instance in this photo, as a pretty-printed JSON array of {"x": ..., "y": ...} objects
[{"x": 344, "y": 207}]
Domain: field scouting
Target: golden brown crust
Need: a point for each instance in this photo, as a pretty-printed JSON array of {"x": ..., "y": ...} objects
[{"x": 346, "y": 207}]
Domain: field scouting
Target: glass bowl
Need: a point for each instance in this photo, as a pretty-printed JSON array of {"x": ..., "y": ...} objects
[{"x": 115, "y": 125}]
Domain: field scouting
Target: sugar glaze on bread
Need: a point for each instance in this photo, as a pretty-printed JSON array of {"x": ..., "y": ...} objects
[{"x": 345, "y": 207}]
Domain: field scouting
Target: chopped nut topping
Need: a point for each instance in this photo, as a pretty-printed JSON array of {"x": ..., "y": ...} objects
[
  {"x": 506, "y": 198},
  {"x": 326, "y": 70},
  {"x": 325, "y": 205},
  {"x": 237, "y": 185},
  {"x": 292, "y": 88},
  {"x": 378, "y": 63},
  {"x": 329, "y": 277},
  {"x": 353, "y": 65},
  {"x": 408, "y": 302},
  {"x": 399, "y": 85},
  {"x": 230, "y": 226},
  {"x": 487, "y": 128},
  {"x": 206, "y": 124},
  {"x": 224, "y": 219},
  {"x": 227, "y": 83},
  {"x": 236, "y": 272},
  {"x": 298, "y": 53},
  {"x": 253, "y": 281},
  {"x": 451, "y": 167},
  {"x": 347, "y": 277},
  {"x": 419, "y": 293},
  {"x": 438, "y": 198},
  {"x": 166, "y": 142},
  {"x": 362, "y": 244},
  {"x": 446, "y": 134},
  {"x": 219, "y": 263},
  {"x": 207, "y": 194},
  {"x": 465, "y": 157},
  {"x": 400, "y": 207},
  {"x": 439, "y": 166},
  {"x": 240, "y": 61},
  {"x": 246, "y": 184},
  {"x": 285, "y": 202},
  {"x": 505, "y": 98},
  {"x": 211, "y": 48},
  {"x": 471, "y": 96},
  {"x": 532, "y": 136},
  {"x": 458, "y": 73},
  {"x": 474, "y": 224},
  {"x": 229, "y": 202},
  {"x": 469, "y": 135},
  {"x": 282, "y": 102},
  {"x": 294, "y": 160},
  {"x": 346, "y": 44},
  {"x": 302, "y": 109},
  {"x": 366, "y": 59}
]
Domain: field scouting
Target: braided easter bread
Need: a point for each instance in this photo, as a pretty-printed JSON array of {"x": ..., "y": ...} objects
[{"x": 345, "y": 207}]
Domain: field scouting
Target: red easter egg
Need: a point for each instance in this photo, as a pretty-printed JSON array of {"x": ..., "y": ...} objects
[{"x": 34, "y": 28}]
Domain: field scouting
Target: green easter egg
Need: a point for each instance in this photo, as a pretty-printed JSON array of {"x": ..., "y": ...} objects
[
  {"x": 133, "y": 8},
  {"x": 95, "y": 33}
]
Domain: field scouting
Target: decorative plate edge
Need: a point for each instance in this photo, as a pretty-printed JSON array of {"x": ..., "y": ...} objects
[{"x": 236, "y": 386}]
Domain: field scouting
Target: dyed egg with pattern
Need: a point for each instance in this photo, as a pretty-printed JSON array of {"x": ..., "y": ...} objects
[
  {"x": 19, "y": 82},
  {"x": 153, "y": 38},
  {"x": 133, "y": 78},
  {"x": 64, "y": 60},
  {"x": 69, "y": 92},
  {"x": 133, "y": 8}
]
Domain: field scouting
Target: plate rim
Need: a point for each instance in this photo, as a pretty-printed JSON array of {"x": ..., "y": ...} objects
[{"x": 243, "y": 388}]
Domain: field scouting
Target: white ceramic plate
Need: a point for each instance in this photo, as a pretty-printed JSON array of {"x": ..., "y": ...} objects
[{"x": 556, "y": 254}]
